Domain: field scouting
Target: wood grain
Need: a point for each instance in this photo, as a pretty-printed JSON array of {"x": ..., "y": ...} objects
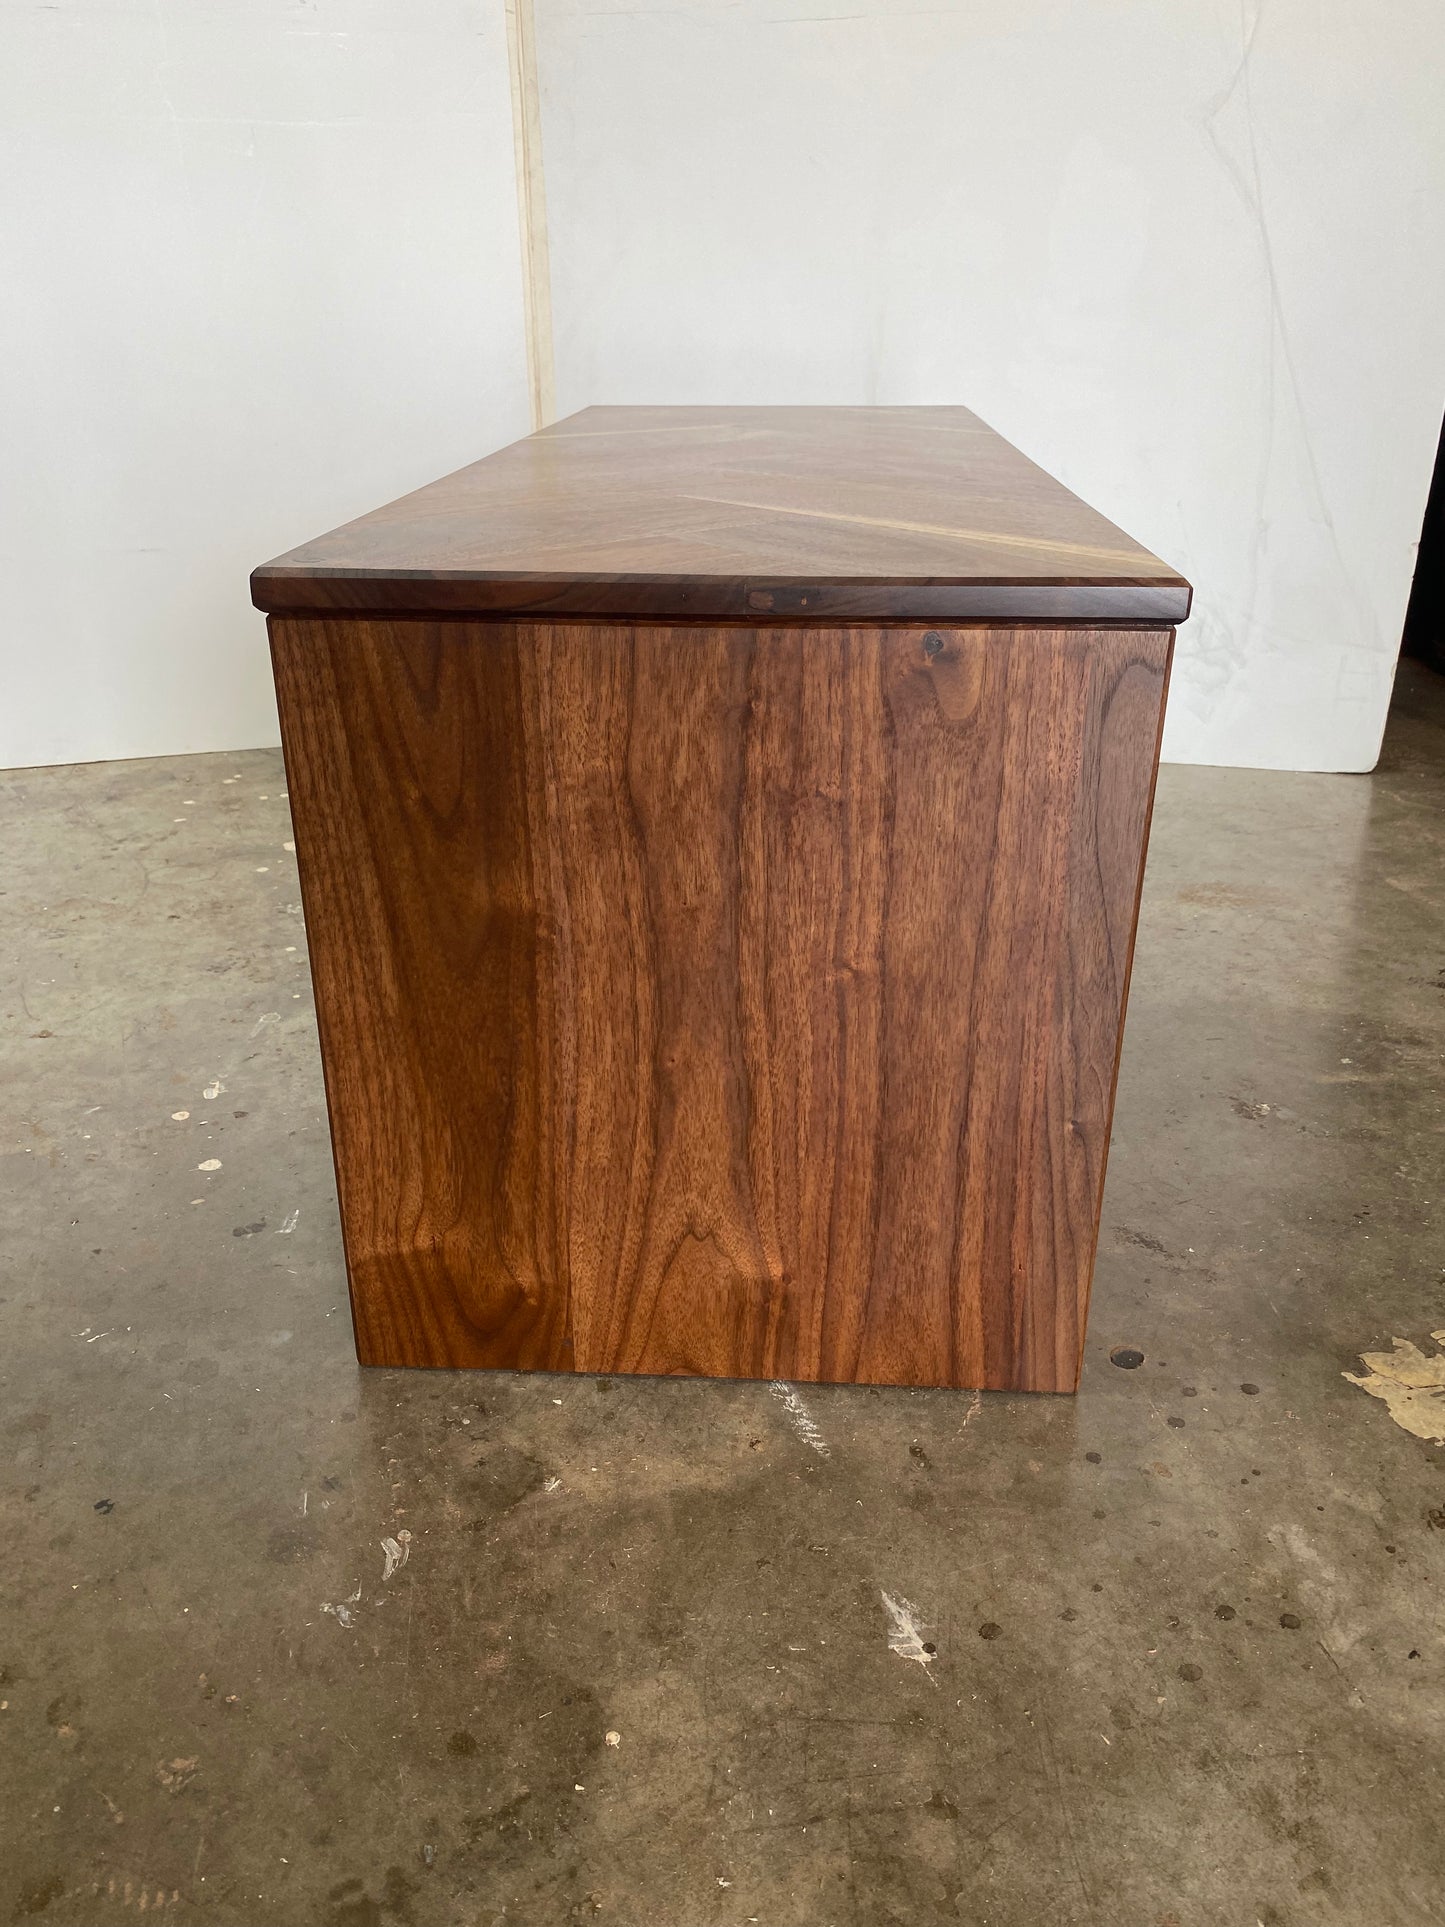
[
  {"x": 819, "y": 515},
  {"x": 721, "y": 1000}
]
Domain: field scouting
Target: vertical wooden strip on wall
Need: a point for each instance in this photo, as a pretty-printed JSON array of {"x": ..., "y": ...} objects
[
  {"x": 532, "y": 209},
  {"x": 736, "y": 1001}
]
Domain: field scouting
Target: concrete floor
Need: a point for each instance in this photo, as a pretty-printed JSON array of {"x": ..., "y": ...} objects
[{"x": 636, "y": 1668}]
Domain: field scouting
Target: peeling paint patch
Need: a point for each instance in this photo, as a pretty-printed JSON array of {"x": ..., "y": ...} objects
[
  {"x": 905, "y": 1636},
  {"x": 1411, "y": 1383},
  {"x": 213, "y": 1090},
  {"x": 801, "y": 1417},
  {"x": 288, "y": 1223},
  {"x": 396, "y": 1552},
  {"x": 209, "y": 1164}
]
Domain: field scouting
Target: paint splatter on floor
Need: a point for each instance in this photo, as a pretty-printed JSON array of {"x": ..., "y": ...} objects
[
  {"x": 343, "y": 1612},
  {"x": 176, "y": 1775},
  {"x": 801, "y": 1417},
  {"x": 905, "y": 1636},
  {"x": 1411, "y": 1383}
]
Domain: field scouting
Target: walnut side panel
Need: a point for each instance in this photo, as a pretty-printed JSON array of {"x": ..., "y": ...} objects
[
  {"x": 419, "y": 837},
  {"x": 734, "y": 1001}
]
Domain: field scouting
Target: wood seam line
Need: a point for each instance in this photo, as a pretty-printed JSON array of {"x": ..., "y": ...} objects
[{"x": 1140, "y": 557}]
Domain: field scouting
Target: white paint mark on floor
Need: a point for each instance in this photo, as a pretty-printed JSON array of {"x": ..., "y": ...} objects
[
  {"x": 396, "y": 1552},
  {"x": 974, "y": 1408},
  {"x": 551, "y": 1485},
  {"x": 267, "y": 1017},
  {"x": 1411, "y": 1383},
  {"x": 213, "y": 1090},
  {"x": 801, "y": 1417},
  {"x": 209, "y": 1164},
  {"x": 288, "y": 846},
  {"x": 288, "y": 1223},
  {"x": 179, "y": 1117},
  {"x": 343, "y": 1612},
  {"x": 906, "y": 1635}
]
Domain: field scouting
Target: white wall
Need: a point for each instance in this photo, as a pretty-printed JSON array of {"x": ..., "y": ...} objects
[
  {"x": 259, "y": 272},
  {"x": 1188, "y": 254}
]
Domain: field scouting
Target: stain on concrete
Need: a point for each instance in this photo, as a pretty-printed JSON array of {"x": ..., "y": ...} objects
[{"x": 1410, "y": 1383}]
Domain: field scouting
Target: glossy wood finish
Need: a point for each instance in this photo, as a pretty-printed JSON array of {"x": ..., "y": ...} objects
[
  {"x": 742, "y": 1001},
  {"x": 820, "y": 515}
]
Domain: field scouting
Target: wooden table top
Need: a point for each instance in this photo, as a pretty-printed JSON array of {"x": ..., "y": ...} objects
[{"x": 817, "y": 514}]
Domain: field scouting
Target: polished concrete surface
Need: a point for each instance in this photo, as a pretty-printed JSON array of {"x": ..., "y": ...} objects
[{"x": 1165, "y": 1655}]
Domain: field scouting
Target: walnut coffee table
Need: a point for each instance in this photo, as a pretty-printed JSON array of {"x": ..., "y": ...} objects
[{"x": 720, "y": 834}]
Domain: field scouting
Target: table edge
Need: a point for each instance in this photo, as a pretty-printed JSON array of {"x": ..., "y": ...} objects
[{"x": 1152, "y": 601}]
